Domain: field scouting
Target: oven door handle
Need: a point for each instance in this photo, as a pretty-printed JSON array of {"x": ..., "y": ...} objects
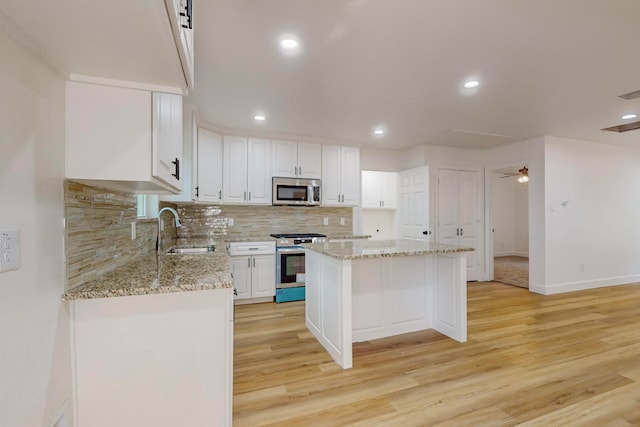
[{"x": 290, "y": 250}]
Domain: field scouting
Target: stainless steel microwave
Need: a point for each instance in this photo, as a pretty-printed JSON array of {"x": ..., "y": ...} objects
[{"x": 296, "y": 191}]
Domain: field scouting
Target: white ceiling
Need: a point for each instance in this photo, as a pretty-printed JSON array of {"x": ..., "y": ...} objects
[{"x": 547, "y": 67}]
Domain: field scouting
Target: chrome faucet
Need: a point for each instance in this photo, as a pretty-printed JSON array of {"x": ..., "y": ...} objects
[{"x": 175, "y": 217}]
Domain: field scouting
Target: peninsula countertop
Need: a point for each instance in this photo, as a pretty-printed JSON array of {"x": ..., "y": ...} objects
[
  {"x": 156, "y": 274},
  {"x": 359, "y": 249}
]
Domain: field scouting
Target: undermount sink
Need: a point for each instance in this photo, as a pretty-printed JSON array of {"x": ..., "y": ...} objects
[{"x": 191, "y": 251}]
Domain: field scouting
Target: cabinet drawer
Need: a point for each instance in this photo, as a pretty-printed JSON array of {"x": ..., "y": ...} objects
[{"x": 252, "y": 248}]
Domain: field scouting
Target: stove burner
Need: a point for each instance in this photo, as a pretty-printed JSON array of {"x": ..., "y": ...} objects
[{"x": 297, "y": 235}]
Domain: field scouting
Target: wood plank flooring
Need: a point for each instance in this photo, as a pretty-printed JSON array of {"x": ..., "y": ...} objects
[{"x": 532, "y": 360}]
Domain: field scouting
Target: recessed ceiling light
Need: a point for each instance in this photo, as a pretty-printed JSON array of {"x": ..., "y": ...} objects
[
  {"x": 260, "y": 118},
  {"x": 378, "y": 132},
  {"x": 471, "y": 84},
  {"x": 629, "y": 116},
  {"x": 288, "y": 43}
]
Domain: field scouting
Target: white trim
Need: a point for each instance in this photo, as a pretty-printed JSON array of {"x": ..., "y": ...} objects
[
  {"x": 61, "y": 417},
  {"x": 127, "y": 84},
  {"x": 488, "y": 222},
  {"x": 589, "y": 284}
]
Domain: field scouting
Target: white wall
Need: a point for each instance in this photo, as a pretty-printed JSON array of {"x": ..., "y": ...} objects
[
  {"x": 510, "y": 216},
  {"x": 379, "y": 224},
  {"x": 592, "y": 201},
  {"x": 380, "y": 160},
  {"x": 35, "y": 378}
]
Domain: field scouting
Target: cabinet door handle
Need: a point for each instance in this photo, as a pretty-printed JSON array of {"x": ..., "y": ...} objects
[
  {"x": 249, "y": 195},
  {"x": 220, "y": 195},
  {"x": 299, "y": 170},
  {"x": 254, "y": 262},
  {"x": 249, "y": 262},
  {"x": 177, "y": 163},
  {"x": 197, "y": 192},
  {"x": 245, "y": 196},
  {"x": 457, "y": 231},
  {"x": 462, "y": 231},
  {"x": 295, "y": 170}
]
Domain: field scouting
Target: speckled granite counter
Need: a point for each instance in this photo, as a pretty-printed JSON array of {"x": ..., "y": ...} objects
[
  {"x": 348, "y": 237},
  {"x": 153, "y": 274},
  {"x": 359, "y": 249}
]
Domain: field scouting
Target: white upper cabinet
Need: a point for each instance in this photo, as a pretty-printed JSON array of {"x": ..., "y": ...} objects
[
  {"x": 296, "y": 159},
  {"x": 123, "y": 139},
  {"x": 246, "y": 170},
  {"x": 181, "y": 21},
  {"x": 379, "y": 190},
  {"x": 209, "y": 168},
  {"x": 340, "y": 175}
]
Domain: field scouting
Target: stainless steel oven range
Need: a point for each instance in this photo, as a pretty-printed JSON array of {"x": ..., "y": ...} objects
[{"x": 290, "y": 264}]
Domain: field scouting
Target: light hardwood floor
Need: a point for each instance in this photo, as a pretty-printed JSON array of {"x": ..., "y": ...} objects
[{"x": 561, "y": 360}]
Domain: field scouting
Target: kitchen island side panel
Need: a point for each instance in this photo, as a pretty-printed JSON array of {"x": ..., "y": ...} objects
[
  {"x": 450, "y": 316},
  {"x": 329, "y": 295}
]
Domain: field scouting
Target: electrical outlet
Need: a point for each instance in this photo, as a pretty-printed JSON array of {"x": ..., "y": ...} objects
[
  {"x": 326, "y": 221},
  {"x": 581, "y": 267},
  {"x": 9, "y": 250},
  {"x": 341, "y": 221},
  {"x": 133, "y": 230},
  {"x": 230, "y": 222}
]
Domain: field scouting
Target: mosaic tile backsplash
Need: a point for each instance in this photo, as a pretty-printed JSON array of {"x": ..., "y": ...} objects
[
  {"x": 210, "y": 222},
  {"x": 98, "y": 232},
  {"x": 98, "y": 227}
]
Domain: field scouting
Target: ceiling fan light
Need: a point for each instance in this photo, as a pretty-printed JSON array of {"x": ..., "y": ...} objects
[{"x": 523, "y": 178}]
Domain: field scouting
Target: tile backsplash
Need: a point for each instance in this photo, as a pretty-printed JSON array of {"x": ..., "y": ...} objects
[
  {"x": 98, "y": 232},
  {"x": 98, "y": 227},
  {"x": 210, "y": 222}
]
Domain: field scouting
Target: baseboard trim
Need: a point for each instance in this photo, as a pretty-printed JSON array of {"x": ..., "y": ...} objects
[{"x": 585, "y": 284}]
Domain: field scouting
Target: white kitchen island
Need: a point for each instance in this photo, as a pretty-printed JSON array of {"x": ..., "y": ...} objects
[{"x": 363, "y": 290}]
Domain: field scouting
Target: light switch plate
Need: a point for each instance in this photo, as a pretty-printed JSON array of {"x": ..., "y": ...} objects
[{"x": 9, "y": 250}]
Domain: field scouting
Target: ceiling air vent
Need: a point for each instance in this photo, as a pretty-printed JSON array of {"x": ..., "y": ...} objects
[
  {"x": 624, "y": 128},
  {"x": 630, "y": 95}
]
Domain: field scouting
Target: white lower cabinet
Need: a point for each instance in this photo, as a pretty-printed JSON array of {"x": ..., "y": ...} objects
[
  {"x": 253, "y": 266},
  {"x": 158, "y": 360}
]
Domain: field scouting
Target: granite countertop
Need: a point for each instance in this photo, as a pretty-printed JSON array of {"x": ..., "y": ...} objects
[
  {"x": 243, "y": 238},
  {"x": 359, "y": 249},
  {"x": 157, "y": 274},
  {"x": 348, "y": 237}
]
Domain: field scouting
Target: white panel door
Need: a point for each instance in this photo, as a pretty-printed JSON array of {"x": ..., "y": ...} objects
[
  {"x": 420, "y": 197},
  {"x": 209, "y": 166},
  {"x": 350, "y": 174},
  {"x": 284, "y": 158},
  {"x": 331, "y": 190},
  {"x": 458, "y": 212},
  {"x": 469, "y": 189},
  {"x": 234, "y": 169},
  {"x": 414, "y": 204},
  {"x": 263, "y": 276},
  {"x": 448, "y": 206},
  {"x": 259, "y": 171},
  {"x": 309, "y": 160}
]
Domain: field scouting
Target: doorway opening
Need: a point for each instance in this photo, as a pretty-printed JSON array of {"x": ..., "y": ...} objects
[{"x": 510, "y": 226}]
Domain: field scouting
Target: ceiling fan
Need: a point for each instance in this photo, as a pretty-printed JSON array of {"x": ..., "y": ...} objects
[{"x": 522, "y": 174}]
